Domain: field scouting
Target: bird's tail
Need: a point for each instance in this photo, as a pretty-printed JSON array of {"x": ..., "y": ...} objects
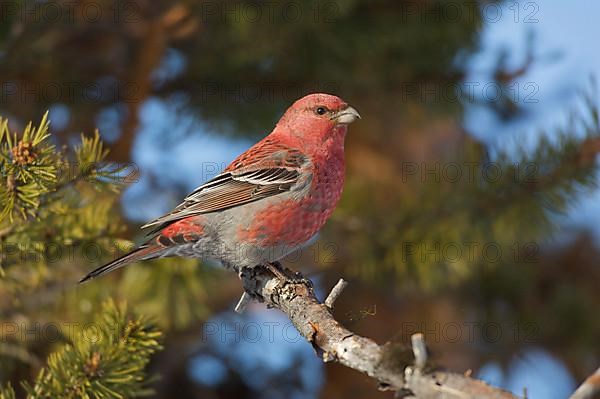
[{"x": 141, "y": 253}]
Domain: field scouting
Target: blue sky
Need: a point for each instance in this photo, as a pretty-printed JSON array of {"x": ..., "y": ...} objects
[{"x": 566, "y": 37}]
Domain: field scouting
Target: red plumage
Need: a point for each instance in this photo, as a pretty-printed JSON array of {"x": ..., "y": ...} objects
[{"x": 268, "y": 202}]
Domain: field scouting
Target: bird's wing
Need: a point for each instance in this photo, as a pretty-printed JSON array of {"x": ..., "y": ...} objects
[{"x": 267, "y": 169}]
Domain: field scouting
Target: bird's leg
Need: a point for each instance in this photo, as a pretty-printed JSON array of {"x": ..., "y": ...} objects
[{"x": 249, "y": 294}]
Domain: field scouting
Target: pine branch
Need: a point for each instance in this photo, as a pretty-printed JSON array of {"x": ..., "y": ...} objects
[
  {"x": 34, "y": 175},
  {"x": 27, "y": 168},
  {"x": 50, "y": 198},
  {"x": 107, "y": 360},
  {"x": 7, "y": 392}
]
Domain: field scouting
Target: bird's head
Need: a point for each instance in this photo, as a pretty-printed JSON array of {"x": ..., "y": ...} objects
[{"x": 318, "y": 117}]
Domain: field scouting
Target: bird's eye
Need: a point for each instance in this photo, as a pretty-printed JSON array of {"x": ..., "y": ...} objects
[{"x": 321, "y": 111}]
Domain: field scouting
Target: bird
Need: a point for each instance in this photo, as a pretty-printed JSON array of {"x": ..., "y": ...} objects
[{"x": 270, "y": 201}]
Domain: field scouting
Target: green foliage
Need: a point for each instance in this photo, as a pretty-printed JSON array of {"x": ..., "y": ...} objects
[
  {"x": 107, "y": 360},
  {"x": 74, "y": 216},
  {"x": 89, "y": 160},
  {"x": 7, "y": 392},
  {"x": 58, "y": 211},
  {"x": 498, "y": 212},
  {"x": 27, "y": 166},
  {"x": 53, "y": 201},
  {"x": 34, "y": 173},
  {"x": 177, "y": 289},
  {"x": 355, "y": 48}
]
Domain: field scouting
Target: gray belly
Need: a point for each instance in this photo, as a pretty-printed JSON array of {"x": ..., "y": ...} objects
[{"x": 221, "y": 240}]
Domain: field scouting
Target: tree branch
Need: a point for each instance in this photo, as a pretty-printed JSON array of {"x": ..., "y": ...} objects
[
  {"x": 590, "y": 388},
  {"x": 419, "y": 350},
  {"x": 336, "y": 291},
  {"x": 243, "y": 303},
  {"x": 388, "y": 364}
]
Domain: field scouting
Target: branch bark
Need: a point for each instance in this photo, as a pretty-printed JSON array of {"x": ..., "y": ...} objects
[
  {"x": 590, "y": 388},
  {"x": 336, "y": 291},
  {"x": 388, "y": 364}
]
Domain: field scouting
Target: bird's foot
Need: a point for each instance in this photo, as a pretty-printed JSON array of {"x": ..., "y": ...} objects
[{"x": 284, "y": 274}]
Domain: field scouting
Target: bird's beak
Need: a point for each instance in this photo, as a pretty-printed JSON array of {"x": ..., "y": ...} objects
[{"x": 346, "y": 116}]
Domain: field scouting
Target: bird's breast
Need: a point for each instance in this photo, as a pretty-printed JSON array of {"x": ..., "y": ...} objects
[{"x": 292, "y": 219}]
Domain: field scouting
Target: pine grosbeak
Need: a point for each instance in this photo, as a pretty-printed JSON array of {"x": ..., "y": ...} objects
[{"x": 268, "y": 202}]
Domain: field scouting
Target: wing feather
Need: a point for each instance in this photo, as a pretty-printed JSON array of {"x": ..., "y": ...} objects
[{"x": 271, "y": 172}]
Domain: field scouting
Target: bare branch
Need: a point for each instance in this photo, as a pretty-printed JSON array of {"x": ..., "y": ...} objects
[
  {"x": 336, "y": 291},
  {"x": 590, "y": 388},
  {"x": 419, "y": 350},
  {"x": 387, "y": 364}
]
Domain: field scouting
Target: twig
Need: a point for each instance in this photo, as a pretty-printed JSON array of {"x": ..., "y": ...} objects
[
  {"x": 316, "y": 324},
  {"x": 336, "y": 291},
  {"x": 243, "y": 303},
  {"x": 419, "y": 350},
  {"x": 590, "y": 387}
]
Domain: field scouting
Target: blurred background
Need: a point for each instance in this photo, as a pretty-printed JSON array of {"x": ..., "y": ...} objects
[{"x": 470, "y": 211}]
